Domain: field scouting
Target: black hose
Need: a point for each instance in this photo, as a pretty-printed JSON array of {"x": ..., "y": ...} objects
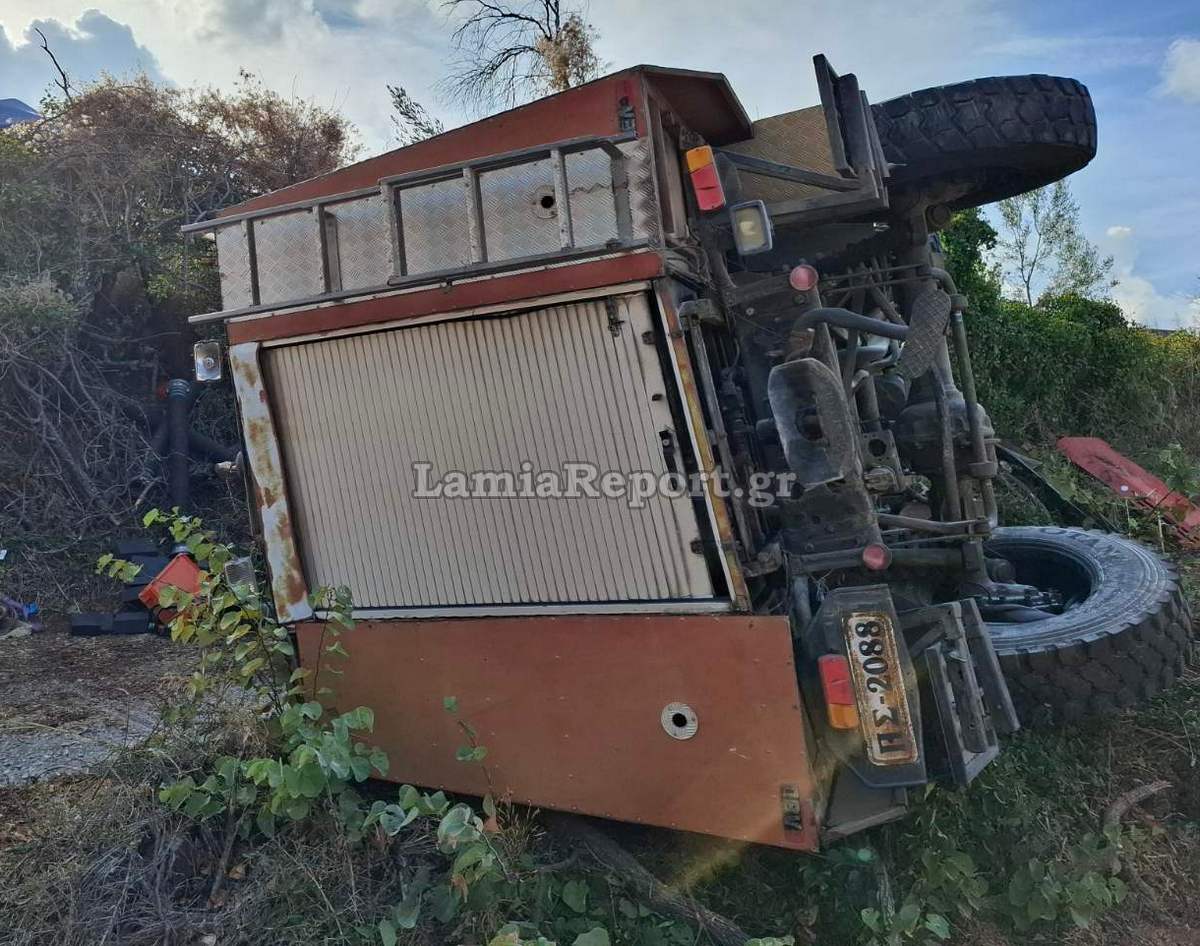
[{"x": 844, "y": 318}]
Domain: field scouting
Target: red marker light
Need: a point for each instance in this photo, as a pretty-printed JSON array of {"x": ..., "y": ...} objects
[
  {"x": 840, "y": 706},
  {"x": 706, "y": 181},
  {"x": 877, "y": 557},
  {"x": 803, "y": 278}
]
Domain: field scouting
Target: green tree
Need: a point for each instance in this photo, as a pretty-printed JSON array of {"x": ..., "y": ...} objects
[
  {"x": 1042, "y": 247},
  {"x": 411, "y": 122}
]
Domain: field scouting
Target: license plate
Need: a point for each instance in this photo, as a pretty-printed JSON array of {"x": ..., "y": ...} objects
[{"x": 879, "y": 688}]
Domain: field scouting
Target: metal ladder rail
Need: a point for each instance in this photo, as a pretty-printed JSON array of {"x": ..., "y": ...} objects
[
  {"x": 470, "y": 173},
  {"x": 390, "y": 189}
]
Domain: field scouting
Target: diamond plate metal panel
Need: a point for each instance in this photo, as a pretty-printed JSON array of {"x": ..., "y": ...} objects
[
  {"x": 643, "y": 194},
  {"x": 233, "y": 263},
  {"x": 436, "y": 227},
  {"x": 364, "y": 241},
  {"x": 589, "y": 179},
  {"x": 798, "y": 138},
  {"x": 515, "y": 222},
  {"x": 537, "y": 390},
  {"x": 289, "y": 257}
]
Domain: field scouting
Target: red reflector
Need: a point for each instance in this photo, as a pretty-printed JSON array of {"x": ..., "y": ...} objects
[
  {"x": 877, "y": 557},
  {"x": 835, "y": 679},
  {"x": 706, "y": 183},
  {"x": 803, "y": 278}
]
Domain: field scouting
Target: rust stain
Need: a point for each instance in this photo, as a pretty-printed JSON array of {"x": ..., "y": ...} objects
[
  {"x": 691, "y": 396},
  {"x": 266, "y": 466}
]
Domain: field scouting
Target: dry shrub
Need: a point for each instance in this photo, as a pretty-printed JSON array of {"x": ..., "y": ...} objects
[{"x": 105, "y": 861}]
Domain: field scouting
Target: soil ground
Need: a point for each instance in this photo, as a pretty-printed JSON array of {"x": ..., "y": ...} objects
[{"x": 66, "y": 702}]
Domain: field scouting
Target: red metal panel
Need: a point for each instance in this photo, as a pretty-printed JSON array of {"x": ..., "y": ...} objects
[
  {"x": 434, "y": 301},
  {"x": 570, "y": 709},
  {"x": 1130, "y": 481},
  {"x": 586, "y": 110},
  {"x": 704, "y": 100}
]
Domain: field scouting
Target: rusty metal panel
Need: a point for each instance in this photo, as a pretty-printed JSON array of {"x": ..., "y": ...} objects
[
  {"x": 571, "y": 710},
  {"x": 266, "y": 468},
  {"x": 718, "y": 510},
  {"x": 233, "y": 263},
  {"x": 435, "y": 221},
  {"x": 363, "y": 241},
  {"x": 288, "y": 247},
  {"x": 536, "y": 391}
]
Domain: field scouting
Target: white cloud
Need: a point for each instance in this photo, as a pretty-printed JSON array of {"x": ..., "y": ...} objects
[
  {"x": 1138, "y": 296},
  {"x": 337, "y": 53},
  {"x": 94, "y": 43},
  {"x": 1181, "y": 70},
  {"x": 343, "y": 52}
]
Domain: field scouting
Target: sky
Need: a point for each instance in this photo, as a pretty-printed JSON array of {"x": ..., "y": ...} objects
[{"x": 1140, "y": 198}]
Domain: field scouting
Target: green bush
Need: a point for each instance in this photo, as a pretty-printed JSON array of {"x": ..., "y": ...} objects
[{"x": 1071, "y": 365}]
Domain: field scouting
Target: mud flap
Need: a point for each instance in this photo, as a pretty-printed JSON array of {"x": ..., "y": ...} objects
[{"x": 814, "y": 422}]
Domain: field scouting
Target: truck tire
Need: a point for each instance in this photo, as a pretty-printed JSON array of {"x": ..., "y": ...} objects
[
  {"x": 1124, "y": 636},
  {"x": 975, "y": 142}
]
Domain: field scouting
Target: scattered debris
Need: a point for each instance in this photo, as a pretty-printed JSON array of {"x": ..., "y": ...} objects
[{"x": 1132, "y": 482}]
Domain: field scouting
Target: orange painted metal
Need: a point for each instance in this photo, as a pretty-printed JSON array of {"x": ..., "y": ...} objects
[
  {"x": 445, "y": 299},
  {"x": 570, "y": 709}
]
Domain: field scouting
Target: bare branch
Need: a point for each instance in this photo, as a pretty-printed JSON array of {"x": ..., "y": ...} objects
[
  {"x": 63, "y": 82},
  {"x": 511, "y": 50}
]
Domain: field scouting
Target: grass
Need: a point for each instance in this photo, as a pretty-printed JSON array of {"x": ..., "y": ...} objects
[
  {"x": 1037, "y": 812},
  {"x": 1023, "y": 855}
]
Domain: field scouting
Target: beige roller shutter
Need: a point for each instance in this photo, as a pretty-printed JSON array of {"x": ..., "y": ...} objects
[{"x": 534, "y": 391}]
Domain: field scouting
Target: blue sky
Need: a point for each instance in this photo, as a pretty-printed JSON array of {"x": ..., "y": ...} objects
[{"x": 1140, "y": 199}]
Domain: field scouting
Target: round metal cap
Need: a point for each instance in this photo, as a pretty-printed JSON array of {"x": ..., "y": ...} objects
[{"x": 679, "y": 721}]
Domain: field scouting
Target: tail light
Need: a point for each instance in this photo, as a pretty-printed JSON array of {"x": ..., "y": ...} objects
[
  {"x": 706, "y": 181},
  {"x": 840, "y": 704}
]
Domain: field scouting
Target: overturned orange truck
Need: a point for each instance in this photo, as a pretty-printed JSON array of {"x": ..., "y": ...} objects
[{"x": 649, "y": 434}]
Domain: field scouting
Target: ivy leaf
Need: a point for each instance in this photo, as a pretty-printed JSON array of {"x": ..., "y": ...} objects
[
  {"x": 597, "y": 936},
  {"x": 408, "y": 910},
  {"x": 360, "y": 768},
  {"x": 387, "y": 932},
  {"x": 266, "y": 822},
  {"x": 575, "y": 894},
  {"x": 938, "y": 925},
  {"x": 906, "y": 918}
]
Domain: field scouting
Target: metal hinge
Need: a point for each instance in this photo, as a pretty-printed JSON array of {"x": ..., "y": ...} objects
[{"x": 614, "y": 321}]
